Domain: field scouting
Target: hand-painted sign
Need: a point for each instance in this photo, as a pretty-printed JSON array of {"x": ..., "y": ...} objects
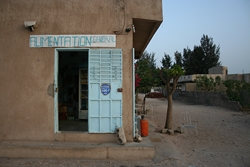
[
  {"x": 105, "y": 89},
  {"x": 38, "y": 41}
]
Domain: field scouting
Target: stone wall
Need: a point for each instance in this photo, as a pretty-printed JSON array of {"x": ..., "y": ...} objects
[
  {"x": 245, "y": 98},
  {"x": 207, "y": 98}
]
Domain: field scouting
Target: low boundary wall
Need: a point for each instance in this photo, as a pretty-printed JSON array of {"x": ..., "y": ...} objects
[{"x": 207, "y": 98}]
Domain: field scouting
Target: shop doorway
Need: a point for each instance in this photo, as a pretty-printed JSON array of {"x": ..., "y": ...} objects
[
  {"x": 73, "y": 90},
  {"x": 88, "y": 90}
]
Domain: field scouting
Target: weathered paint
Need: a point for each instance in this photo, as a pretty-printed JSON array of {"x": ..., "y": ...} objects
[{"x": 50, "y": 90}]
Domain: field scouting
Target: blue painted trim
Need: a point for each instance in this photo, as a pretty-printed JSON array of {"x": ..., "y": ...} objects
[{"x": 133, "y": 91}]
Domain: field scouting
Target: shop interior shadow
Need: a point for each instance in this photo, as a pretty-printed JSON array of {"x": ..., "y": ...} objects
[{"x": 73, "y": 125}]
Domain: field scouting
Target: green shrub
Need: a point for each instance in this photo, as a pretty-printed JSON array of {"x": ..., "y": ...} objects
[
  {"x": 235, "y": 91},
  {"x": 207, "y": 84}
]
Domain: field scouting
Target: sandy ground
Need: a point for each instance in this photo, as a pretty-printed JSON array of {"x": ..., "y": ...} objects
[
  {"x": 223, "y": 140},
  {"x": 223, "y": 135}
]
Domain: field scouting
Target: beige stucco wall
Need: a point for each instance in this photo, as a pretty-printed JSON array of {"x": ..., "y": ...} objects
[
  {"x": 27, "y": 74},
  {"x": 218, "y": 70},
  {"x": 239, "y": 77},
  {"x": 190, "y": 86}
]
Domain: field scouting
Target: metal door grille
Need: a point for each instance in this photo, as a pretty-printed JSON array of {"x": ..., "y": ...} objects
[{"x": 105, "y": 111}]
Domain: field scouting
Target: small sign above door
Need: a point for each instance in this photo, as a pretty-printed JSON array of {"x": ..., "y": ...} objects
[
  {"x": 38, "y": 41},
  {"x": 105, "y": 89}
]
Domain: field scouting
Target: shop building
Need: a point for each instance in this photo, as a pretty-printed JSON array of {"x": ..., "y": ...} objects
[{"x": 67, "y": 67}]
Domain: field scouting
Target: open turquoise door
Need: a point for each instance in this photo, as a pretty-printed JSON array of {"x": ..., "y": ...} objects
[{"x": 105, "y": 101}]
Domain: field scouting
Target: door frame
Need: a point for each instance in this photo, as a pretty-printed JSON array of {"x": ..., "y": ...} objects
[
  {"x": 56, "y": 71},
  {"x": 133, "y": 94}
]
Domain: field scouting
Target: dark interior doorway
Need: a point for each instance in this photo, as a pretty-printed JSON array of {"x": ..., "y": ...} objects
[{"x": 68, "y": 90}]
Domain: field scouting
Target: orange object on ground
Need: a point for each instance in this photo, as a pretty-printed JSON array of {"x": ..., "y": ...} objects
[{"x": 144, "y": 127}]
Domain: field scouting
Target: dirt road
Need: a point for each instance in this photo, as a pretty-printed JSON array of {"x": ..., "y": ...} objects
[
  {"x": 223, "y": 140},
  {"x": 223, "y": 135}
]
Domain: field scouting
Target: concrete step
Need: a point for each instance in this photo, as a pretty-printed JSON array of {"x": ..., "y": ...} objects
[{"x": 31, "y": 149}]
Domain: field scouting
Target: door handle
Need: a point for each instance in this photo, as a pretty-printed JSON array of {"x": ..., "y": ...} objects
[{"x": 119, "y": 90}]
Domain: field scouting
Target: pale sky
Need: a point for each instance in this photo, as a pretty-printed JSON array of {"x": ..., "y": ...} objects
[{"x": 226, "y": 21}]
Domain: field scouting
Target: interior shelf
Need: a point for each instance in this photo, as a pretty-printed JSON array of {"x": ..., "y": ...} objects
[{"x": 83, "y": 93}]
